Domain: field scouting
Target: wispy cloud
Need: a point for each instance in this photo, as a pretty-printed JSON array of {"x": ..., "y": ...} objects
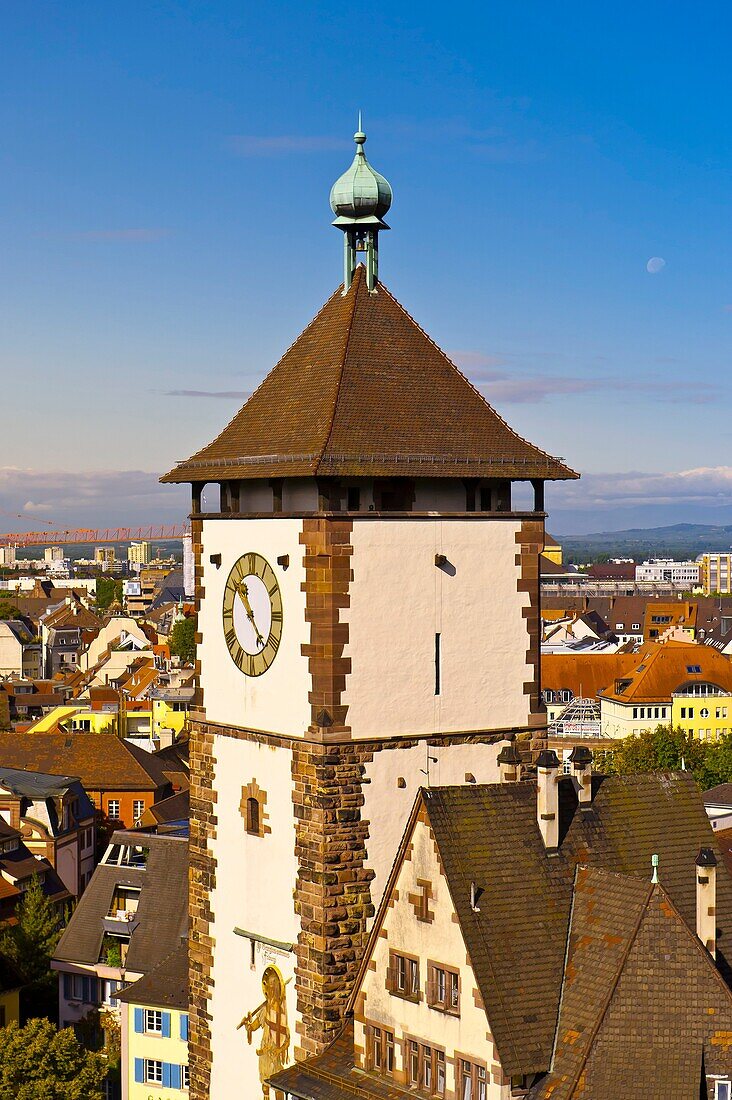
[
  {"x": 87, "y": 499},
  {"x": 702, "y": 485},
  {"x": 517, "y": 386},
  {"x": 230, "y": 394},
  {"x": 252, "y": 145}
]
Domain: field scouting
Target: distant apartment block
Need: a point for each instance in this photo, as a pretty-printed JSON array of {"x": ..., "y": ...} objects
[
  {"x": 684, "y": 574},
  {"x": 138, "y": 553},
  {"x": 8, "y": 555},
  {"x": 53, "y": 553},
  {"x": 716, "y": 573}
]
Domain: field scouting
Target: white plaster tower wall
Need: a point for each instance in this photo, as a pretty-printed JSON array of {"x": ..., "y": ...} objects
[{"x": 400, "y": 600}]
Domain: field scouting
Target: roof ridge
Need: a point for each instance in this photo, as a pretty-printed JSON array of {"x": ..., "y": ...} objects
[
  {"x": 271, "y": 371},
  {"x": 353, "y": 289},
  {"x": 600, "y": 1016},
  {"x": 465, "y": 378}
]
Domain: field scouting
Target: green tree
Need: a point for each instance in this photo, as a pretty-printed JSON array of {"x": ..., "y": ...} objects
[
  {"x": 665, "y": 749},
  {"x": 108, "y": 590},
  {"x": 30, "y": 942},
  {"x": 38, "y": 1062},
  {"x": 182, "y": 639},
  {"x": 8, "y": 610}
]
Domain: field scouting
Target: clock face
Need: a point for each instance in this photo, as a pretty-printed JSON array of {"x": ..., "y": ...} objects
[{"x": 252, "y": 614}]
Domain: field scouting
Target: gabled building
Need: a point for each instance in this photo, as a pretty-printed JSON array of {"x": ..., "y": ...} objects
[
  {"x": 18, "y": 867},
  {"x": 121, "y": 779},
  {"x": 677, "y": 683},
  {"x": 154, "y": 1021},
  {"x": 132, "y": 915},
  {"x": 524, "y": 949},
  {"x": 20, "y": 650},
  {"x": 56, "y": 819}
]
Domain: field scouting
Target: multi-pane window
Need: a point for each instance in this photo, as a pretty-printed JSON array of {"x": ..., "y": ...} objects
[
  {"x": 380, "y": 1049},
  {"x": 185, "y": 1077},
  {"x": 403, "y": 975},
  {"x": 153, "y": 1072},
  {"x": 153, "y": 1021},
  {"x": 426, "y": 1068},
  {"x": 138, "y": 808},
  {"x": 473, "y": 1081},
  {"x": 113, "y": 809},
  {"x": 443, "y": 988}
]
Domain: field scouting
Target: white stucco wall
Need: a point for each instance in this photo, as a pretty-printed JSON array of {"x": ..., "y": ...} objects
[
  {"x": 255, "y": 878},
  {"x": 440, "y": 941},
  {"x": 400, "y": 600},
  {"x": 277, "y": 701},
  {"x": 387, "y": 805}
]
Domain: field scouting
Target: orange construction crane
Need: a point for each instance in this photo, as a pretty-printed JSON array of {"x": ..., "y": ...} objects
[{"x": 86, "y": 535}]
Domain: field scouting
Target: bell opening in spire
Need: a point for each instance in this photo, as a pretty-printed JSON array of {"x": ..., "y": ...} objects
[{"x": 359, "y": 199}]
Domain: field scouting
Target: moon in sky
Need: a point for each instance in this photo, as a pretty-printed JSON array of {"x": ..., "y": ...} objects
[{"x": 655, "y": 264}]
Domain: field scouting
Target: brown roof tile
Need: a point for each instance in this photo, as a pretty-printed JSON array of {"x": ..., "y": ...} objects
[
  {"x": 364, "y": 391},
  {"x": 641, "y": 997},
  {"x": 101, "y": 760}
]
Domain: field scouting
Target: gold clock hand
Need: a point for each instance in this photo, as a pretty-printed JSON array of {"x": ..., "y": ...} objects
[{"x": 244, "y": 596}]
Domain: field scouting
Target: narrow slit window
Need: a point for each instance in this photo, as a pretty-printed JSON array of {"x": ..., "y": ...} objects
[{"x": 438, "y": 665}]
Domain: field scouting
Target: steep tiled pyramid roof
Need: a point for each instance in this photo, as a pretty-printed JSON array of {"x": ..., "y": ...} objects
[
  {"x": 365, "y": 392},
  {"x": 640, "y": 994}
]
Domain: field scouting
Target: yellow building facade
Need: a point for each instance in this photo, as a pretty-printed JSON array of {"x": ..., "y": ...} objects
[{"x": 707, "y": 716}]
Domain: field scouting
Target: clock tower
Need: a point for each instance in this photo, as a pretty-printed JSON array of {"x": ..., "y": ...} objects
[{"x": 368, "y": 609}]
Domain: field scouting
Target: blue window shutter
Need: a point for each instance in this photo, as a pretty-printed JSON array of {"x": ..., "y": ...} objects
[
  {"x": 166, "y": 1075},
  {"x": 184, "y": 1026},
  {"x": 67, "y": 988},
  {"x": 166, "y": 1025},
  {"x": 86, "y": 989},
  {"x": 175, "y": 1076},
  {"x": 139, "y": 1021},
  {"x": 139, "y": 1069}
]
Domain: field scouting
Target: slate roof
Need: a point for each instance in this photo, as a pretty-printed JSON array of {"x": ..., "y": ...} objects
[
  {"x": 162, "y": 912},
  {"x": 166, "y": 985},
  {"x": 489, "y": 834},
  {"x": 363, "y": 391},
  {"x": 721, "y": 795},
  {"x": 102, "y": 761},
  {"x": 641, "y": 998}
]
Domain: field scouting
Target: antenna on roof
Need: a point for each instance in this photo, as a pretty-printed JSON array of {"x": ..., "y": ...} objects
[{"x": 654, "y": 865}]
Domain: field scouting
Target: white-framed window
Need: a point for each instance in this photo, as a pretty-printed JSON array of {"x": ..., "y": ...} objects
[
  {"x": 723, "y": 1090},
  {"x": 138, "y": 808},
  {"x": 154, "y": 1021},
  {"x": 704, "y": 712},
  {"x": 113, "y": 809},
  {"x": 185, "y": 1077},
  {"x": 153, "y": 1071}
]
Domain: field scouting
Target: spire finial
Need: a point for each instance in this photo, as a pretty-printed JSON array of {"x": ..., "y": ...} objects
[
  {"x": 359, "y": 199},
  {"x": 654, "y": 865}
]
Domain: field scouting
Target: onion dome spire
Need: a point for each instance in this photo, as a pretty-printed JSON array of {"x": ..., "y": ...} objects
[{"x": 359, "y": 199}]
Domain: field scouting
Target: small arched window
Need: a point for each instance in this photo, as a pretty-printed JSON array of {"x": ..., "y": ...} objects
[{"x": 253, "y": 821}]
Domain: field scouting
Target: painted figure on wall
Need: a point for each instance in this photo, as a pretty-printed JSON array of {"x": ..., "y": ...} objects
[{"x": 271, "y": 1017}]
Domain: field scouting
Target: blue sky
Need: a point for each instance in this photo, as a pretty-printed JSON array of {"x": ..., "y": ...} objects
[{"x": 164, "y": 229}]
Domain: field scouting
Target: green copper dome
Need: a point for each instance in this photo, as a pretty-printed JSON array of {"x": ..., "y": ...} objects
[{"x": 360, "y": 192}]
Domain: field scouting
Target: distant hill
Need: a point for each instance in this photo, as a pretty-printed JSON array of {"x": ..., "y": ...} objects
[{"x": 680, "y": 540}]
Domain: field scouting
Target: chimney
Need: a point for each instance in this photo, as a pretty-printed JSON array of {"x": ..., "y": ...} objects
[
  {"x": 581, "y": 760},
  {"x": 509, "y": 762},
  {"x": 706, "y": 899},
  {"x": 547, "y": 799}
]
